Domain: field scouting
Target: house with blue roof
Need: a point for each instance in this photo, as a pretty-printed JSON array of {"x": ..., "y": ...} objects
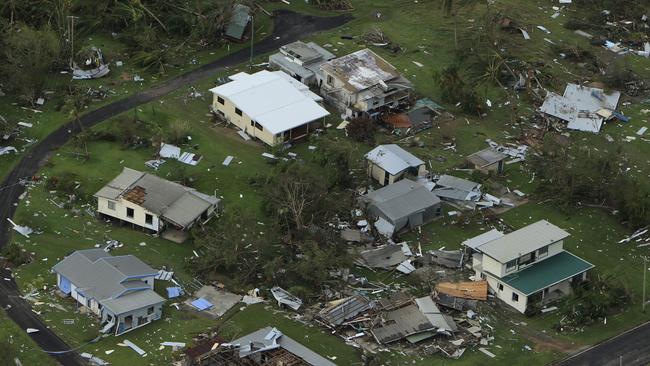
[
  {"x": 527, "y": 266},
  {"x": 118, "y": 289}
]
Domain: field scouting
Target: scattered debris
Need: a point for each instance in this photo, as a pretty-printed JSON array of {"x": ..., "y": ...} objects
[
  {"x": 134, "y": 347},
  {"x": 283, "y": 297}
]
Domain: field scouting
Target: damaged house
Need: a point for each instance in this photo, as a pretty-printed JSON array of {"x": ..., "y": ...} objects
[
  {"x": 405, "y": 204},
  {"x": 388, "y": 164},
  {"x": 584, "y": 108},
  {"x": 119, "y": 289},
  {"x": 362, "y": 84},
  {"x": 153, "y": 203},
  {"x": 301, "y": 60},
  {"x": 269, "y": 105},
  {"x": 414, "y": 322},
  {"x": 488, "y": 160},
  {"x": 457, "y": 190},
  {"x": 528, "y": 266},
  {"x": 268, "y": 346}
]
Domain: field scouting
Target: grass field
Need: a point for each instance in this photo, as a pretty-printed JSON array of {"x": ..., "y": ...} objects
[
  {"x": 26, "y": 350},
  {"x": 417, "y": 28}
]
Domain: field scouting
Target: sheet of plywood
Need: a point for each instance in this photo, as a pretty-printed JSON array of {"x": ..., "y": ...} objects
[{"x": 475, "y": 290}]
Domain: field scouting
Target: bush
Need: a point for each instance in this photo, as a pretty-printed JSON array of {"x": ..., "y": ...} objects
[
  {"x": 591, "y": 302},
  {"x": 66, "y": 183},
  {"x": 454, "y": 90},
  {"x": 362, "y": 129},
  {"x": 178, "y": 132},
  {"x": 15, "y": 255}
]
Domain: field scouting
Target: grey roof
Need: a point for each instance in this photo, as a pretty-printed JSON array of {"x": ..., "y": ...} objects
[
  {"x": 306, "y": 52},
  {"x": 523, "y": 241},
  {"x": 393, "y": 158},
  {"x": 238, "y": 21},
  {"x": 287, "y": 64},
  {"x": 399, "y": 200},
  {"x": 449, "y": 181},
  {"x": 361, "y": 70},
  {"x": 172, "y": 201},
  {"x": 132, "y": 301},
  {"x": 269, "y": 338},
  {"x": 383, "y": 257},
  {"x": 436, "y": 318},
  {"x": 101, "y": 276},
  {"x": 401, "y": 323},
  {"x": 345, "y": 309},
  {"x": 486, "y": 157},
  {"x": 578, "y": 106},
  {"x": 483, "y": 238}
]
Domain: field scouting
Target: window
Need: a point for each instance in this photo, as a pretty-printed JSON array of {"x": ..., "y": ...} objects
[
  {"x": 330, "y": 79},
  {"x": 220, "y": 100},
  {"x": 111, "y": 205},
  {"x": 515, "y": 297},
  {"x": 257, "y": 125},
  {"x": 148, "y": 219},
  {"x": 129, "y": 212},
  {"x": 542, "y": 252},
  {"x": 500, "y": 287},
  {"x": 238, "y": 111},
  {"x": 527, "y": 259},
  {"x": 150, "y": 311},
  {"x": 511, "y": 265}
]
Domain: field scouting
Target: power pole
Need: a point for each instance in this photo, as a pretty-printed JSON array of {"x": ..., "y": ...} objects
[{"x": 252, "y": 37}]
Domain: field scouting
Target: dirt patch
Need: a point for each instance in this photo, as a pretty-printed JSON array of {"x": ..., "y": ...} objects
[{"x": 544, "y": 342}]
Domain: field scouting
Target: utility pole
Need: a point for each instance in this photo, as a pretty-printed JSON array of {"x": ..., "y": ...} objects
[
  {"x": 252, "y": 38},
  {"x": 645, "y": 269},
  {"x": 71, "y": 19}
]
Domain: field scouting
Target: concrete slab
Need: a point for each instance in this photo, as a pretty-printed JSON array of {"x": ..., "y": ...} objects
[
  {"x": 222, "y": 300},
  {"x": 176, "y": 236}
]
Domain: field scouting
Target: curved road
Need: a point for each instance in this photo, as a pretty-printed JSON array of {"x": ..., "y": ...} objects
[{"x": 288, "y": 27}]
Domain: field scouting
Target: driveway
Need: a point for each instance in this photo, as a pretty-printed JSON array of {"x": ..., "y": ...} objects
[{"x": 288, "y": 27}]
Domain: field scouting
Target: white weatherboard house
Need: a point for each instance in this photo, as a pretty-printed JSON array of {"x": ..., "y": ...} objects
[
  {"x": 528, "y": 266},
  {"x": 389, "y": 163},
  {"x": 153, "y": 203},
  {"x": 269, "y": 105},
  {"x": 119, "y": 289}
]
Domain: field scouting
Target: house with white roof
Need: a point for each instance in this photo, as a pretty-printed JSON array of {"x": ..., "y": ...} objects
[
  {"x": 528, "y": 266},
  {"x": 119, "y": 289},
  {"x": 388, "y": 164},
  {"x": 269, "y": 105}
]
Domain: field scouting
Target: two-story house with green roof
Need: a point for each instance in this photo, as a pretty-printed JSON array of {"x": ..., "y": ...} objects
[{"x": 527, "y": 266}]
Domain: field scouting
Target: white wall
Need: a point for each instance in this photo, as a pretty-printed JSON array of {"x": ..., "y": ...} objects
[
  {"x": 492, "y": 266},
  {"x": 120, "y": 213},
  {"x": 243, "y": 121},
  {"x": 506, "y": 294}
]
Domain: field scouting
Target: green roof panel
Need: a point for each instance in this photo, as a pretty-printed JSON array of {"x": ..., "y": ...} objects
[{"x": 547, "y": 272}]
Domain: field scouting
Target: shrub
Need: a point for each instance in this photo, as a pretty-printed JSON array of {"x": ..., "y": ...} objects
[
  {"x": 178, "y": 132},
  {"x": 15, "y": 255},
  {"x": 362, "y": 130}
]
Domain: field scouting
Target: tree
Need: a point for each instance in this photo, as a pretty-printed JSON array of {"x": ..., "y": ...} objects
[
  {"x": 454, "y": 89},
  {"x": 362, "y": 129},
  {"x": 226, "y": 246},
  {"x": 26, "y": 58}
]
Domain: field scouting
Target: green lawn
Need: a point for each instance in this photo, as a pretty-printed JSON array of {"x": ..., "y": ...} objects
[{"x": 26, "y": 350}]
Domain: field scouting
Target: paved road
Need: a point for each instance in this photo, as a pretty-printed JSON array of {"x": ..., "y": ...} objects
[
  {"x": 288, "y": 27},
  {"x": 631, "y": 348}
]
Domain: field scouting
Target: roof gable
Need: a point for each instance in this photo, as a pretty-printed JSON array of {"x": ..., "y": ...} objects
[
  {"x": 393, "y": 159},
  {"x": 523, "y": 241}
]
